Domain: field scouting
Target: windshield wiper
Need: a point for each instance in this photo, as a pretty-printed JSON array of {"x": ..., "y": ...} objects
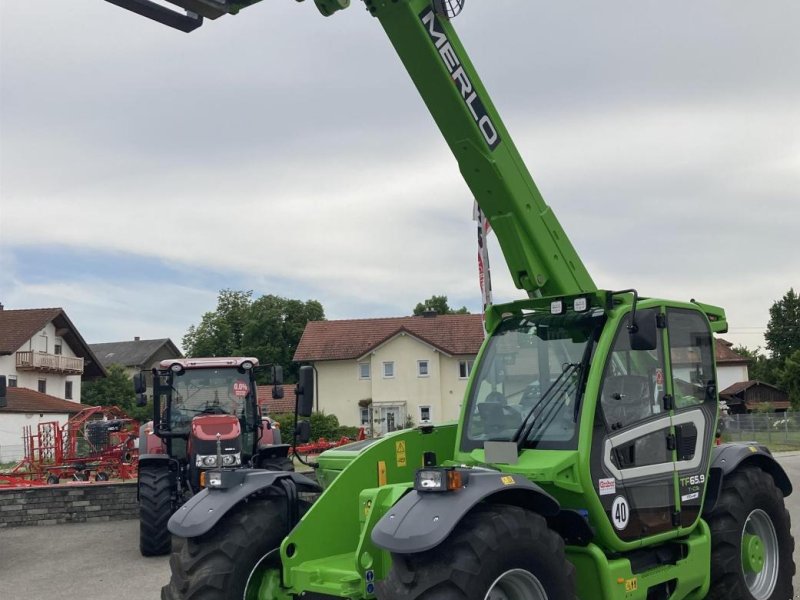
[{"x": 524, "y": 429}]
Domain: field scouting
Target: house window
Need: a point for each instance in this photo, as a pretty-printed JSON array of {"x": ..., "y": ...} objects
[
  {"x": 464, "y": 368},
  {"x": 12, "y": 381},
  {"x": 365, "y": 416},
  {"x": 422, "y": 368},
  {"x": 363, "y": 370},
  {"x": 43, "y": 342},
  {"x": 388, "y": 370},
  {"x": 57, "y": 347},
  {"x": 42, "y": 387},
  {"x": 424, "y": 414},
  {"x": 68, "y": 390}
]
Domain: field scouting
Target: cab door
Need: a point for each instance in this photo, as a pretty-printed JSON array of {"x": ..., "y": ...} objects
[
  {"x": 632, "y": 461},
  {"x": 693, "y": 398}
]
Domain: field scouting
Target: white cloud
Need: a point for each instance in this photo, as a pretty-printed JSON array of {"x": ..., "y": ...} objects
[{"x": 293, "y": 152}]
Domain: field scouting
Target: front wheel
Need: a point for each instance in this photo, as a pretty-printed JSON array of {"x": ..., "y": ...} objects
[
  {"x": 155, "y": 508},
  {"x": 751, "y": 541},
  {"x": 497, "y": 552},
  {"x": 218, "y": 564}
]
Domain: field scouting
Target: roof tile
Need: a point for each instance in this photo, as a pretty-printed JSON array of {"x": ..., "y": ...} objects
[
  {"x": 23, "y": 400},
  {"x": 353, "y": 338}
]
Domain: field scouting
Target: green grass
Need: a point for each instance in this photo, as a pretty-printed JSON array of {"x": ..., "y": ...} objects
[{"x": 777, "y": 441}]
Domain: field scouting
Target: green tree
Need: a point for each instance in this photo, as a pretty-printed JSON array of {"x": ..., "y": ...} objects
[
  {"x": 440, "y": 305},
  {"x": 783, "y": 329},
  {"x": 268, "y": 328},
  {"x": 114, "y": 390},
  {"x": 221, "y": 332},
  {"x": 761, "y": 367},
  {"x": 790, "y": 379}
]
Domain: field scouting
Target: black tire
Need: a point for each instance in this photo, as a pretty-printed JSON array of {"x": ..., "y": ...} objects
[
  {"x": 491, "y": 541},
  {"x": 217, "y": 564},
  {"x": 745, "y": 491},
  {"x": 52, "y": 479},
  {"x": 101, "y": 476},
  {"x": 155, "y": 509}
]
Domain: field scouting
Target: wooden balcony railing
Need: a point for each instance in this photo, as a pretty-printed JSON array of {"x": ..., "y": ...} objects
[{"x": 49, "y": 363}]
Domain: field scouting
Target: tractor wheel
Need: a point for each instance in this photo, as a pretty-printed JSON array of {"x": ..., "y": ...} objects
[
  {"x": 496, "y": 552},
  {"x": 101, "y": 476},
  {"x": 218, "y": 564},
  {"x": 751, "y": 541},
  {"x": 52, "y": 479},
  {"x": 155, "y": 509}
]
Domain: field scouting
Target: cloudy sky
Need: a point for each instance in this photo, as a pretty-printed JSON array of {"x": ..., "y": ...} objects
[{"x": 143, "y": 169}]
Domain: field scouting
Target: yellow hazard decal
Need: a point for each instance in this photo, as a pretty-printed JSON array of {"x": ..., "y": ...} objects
[
  {"x": 753, "y": 449},
  {"x": 507, "y": 480},
  {"x": 400, "y": 453},
  {"x": 381, "y": 473},
  {"x": 631, "y": 585}
]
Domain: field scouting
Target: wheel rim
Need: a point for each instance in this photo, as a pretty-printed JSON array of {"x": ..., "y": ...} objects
[
  {"x": 760, "y": 555},
  {"x": 516, "y": 584}
]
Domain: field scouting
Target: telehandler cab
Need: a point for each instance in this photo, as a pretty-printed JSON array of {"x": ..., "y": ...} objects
[{"x": 583, "y": 464}]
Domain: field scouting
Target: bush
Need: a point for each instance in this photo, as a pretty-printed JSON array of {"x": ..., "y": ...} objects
[{"x": 322, "y": 426}]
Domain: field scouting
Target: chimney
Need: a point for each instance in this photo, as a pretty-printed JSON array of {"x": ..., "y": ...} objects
[
  {"x": 429, "y": 314},
  {"x": 136, "y": 339},
  {"x": 1, "y": 306}
]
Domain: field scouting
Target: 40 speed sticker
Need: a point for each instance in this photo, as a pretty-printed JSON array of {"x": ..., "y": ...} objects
[{"x": 620, "y": 513}]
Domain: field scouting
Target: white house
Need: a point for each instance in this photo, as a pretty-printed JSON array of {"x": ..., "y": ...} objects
[
  {"x": 44, "y": 359},
  {"x": 383, "y": 373},
  {"x": 731, "y": 367}
]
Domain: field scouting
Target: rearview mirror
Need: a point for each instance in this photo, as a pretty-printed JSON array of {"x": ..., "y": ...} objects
[
  {"x": 277, "y": 375},
  {"x": 3, "y": 400},
  {"x": 644, "y": 331},
  {"x": 141, "y": 400},
  {"x": 305, "y": 391},
  {"x": 139, "y": 383},
  {"x": 277, "y": 392},
  {"x": 303, "y": 432}
]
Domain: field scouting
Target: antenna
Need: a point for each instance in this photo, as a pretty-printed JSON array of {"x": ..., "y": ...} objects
[{"x": 448, "y": 8}]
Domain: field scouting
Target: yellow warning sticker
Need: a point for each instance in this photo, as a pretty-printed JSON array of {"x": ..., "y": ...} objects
[
  {"x": 381, "y": 473},
  {"x": 631, "y": 585},
  {"x": 753, "y": 449},
  {"x": 400, "y": 453},
  {"x": 507, "y": 480}
]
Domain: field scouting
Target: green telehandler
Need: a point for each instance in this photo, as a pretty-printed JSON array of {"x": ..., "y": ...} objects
[{"x": 584, "y": 464}]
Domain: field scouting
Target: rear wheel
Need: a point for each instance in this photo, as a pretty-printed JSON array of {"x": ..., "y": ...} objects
[
  {"x": 155, "y": 509},
  {"x": 751, "y": 541},
  {"x": 496, "y": 553},
  {"x": 218, "y": 564}
]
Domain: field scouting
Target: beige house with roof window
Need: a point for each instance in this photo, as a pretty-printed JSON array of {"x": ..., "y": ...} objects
[{"x": 383, "y": 373}]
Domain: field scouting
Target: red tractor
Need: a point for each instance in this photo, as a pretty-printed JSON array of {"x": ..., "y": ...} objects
[{"x": 205, "y": 416}]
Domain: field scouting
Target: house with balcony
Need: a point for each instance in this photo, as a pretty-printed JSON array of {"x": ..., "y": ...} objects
[
  {"x": 42, "y": 353},
  {"x": 386, "y": 373}
]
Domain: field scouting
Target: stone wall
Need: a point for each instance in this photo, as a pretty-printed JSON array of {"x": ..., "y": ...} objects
[{"x": 67, "y": 503}]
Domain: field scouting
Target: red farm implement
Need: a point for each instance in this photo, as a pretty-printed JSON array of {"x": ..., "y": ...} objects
[
  {"x": 97, "y": 443},
  {"x": 321, "y": 445}
]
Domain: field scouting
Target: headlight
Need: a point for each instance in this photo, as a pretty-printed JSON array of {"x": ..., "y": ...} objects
[
  {"x": 229, "y": 460},
  {"x": 440, "y": 479},
  {"x": 210, "y": 460},
  {"x": 214, "y": 479}
]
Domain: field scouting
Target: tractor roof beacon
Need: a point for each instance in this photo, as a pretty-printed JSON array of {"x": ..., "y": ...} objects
[{"x": 584, "y": 462}]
